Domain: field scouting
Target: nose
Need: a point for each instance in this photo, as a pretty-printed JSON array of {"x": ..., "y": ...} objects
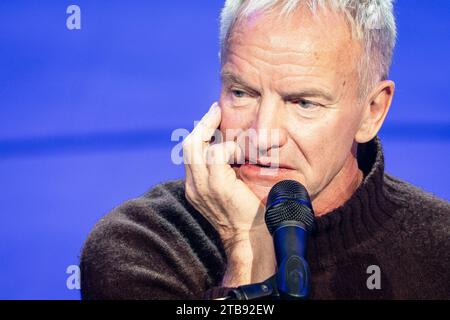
[{"x": 267, "y": 130}]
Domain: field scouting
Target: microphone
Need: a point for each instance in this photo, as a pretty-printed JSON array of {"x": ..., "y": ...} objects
[{"x": 290, "y": 219}]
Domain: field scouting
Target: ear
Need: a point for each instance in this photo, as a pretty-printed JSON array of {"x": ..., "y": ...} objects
[{"x": 376, "y": 108}]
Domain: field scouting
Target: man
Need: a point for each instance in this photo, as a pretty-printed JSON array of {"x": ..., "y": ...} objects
[{"x": 315, "y": 73}]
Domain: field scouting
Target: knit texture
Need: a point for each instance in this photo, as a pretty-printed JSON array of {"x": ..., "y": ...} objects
[{"x": 158, "y": 246}]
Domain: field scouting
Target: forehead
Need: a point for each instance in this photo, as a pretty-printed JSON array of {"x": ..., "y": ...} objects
[{"x": 301, "y": 42}]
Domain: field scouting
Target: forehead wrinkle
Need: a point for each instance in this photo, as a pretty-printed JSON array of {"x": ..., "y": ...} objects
[
  {"x": 272, "y": 82},
  {"x": 310, "y": 55},
  {"x": 271, "y": 50},
  {"x": 272, "y": 62},
  {"x": 286, "y": 68},
  {"x": 236, "y": 69},
  {"x": 299, "y": 80},
  {"x": 308, "y": 65},
  {"x": 313, "y": 57},
  {"x": 274, "y": 49}
]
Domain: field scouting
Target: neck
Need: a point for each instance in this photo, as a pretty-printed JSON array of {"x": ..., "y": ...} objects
[{"x": 340, "y": 189}]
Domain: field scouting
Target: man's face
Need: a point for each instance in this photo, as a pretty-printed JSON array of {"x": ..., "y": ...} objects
[{"x": 297, "y": 76}]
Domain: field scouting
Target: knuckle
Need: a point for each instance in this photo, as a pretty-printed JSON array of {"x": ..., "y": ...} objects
[
  {"x": 187, "y": 143},
  {"x": 214, "y": 185}
]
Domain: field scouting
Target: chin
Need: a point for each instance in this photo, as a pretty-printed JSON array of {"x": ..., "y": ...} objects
[
  {"x": 260, "y": 191},
  {"x": 260, "y": 180}
]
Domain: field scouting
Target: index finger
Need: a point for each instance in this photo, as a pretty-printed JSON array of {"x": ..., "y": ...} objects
[
  {"x": 196, "y": 143},
  {"x": 208, "y": 124}
]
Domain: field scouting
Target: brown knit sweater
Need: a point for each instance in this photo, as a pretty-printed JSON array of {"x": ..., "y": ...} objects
[{"x": 158, "y": 246}]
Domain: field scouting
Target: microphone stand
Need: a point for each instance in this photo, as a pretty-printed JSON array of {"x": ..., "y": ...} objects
[
  {"x": 262, "y": 290},
  {"x": 291, "y": 282}
]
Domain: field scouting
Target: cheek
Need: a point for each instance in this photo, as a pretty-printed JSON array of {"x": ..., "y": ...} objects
[
  {"x": 234, "y": 119},
  {"x": 326, "y": 144},
  {"x": 321, "y": 145},
  {"x": 309, "y": 137},
  {"x": 230, "y": 124}
]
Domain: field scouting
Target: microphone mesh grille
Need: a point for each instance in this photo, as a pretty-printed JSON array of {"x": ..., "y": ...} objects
[{"x": 288, "y": 200}]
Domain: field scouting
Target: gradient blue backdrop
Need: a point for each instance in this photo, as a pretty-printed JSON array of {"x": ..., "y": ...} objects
[{"x": 86, "y": 116}]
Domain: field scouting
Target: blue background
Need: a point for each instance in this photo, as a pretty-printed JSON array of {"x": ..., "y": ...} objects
[{"x": 86, "y": 116}]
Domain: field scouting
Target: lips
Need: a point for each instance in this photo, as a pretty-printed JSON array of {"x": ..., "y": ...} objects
[
  {"x": 267, "y": 164},
  {"x": 263, "y": 170}
]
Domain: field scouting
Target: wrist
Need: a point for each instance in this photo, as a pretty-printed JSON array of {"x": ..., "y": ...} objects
[
  {"x": 237, "y": 243},
  {"x": 243, "y": 243},
  {"x": 250, "y": 258},
  {"x": 239, "y": 265}
]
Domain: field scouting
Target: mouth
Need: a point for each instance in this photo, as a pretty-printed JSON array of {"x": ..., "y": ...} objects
[
  {"x": 263, "y": 169},
  {"x": 261, "y": 164},
  {"x": 267, "y": 164}
]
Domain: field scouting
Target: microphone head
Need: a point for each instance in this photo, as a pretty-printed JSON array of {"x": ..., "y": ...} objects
[{"x": 288, "y": 201}]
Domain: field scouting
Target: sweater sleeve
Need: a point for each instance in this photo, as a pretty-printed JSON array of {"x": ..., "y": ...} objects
[
  {"x": 216, "y": 293},
  {"x": 137, "y": 251}
]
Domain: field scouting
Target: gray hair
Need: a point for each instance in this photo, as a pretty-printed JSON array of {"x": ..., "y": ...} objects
[{"x": 372, "y": 22}]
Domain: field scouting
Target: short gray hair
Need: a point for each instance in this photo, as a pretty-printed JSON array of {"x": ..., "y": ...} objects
[{"x": 372, "y": 22}]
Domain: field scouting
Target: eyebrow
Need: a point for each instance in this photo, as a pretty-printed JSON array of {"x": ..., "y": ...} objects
[
  {"x": 308, "y": 92},
  {"x": 228, "y": 76}
]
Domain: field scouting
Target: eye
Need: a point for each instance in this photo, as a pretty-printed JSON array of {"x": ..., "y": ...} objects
[
  {"x": 305, "y": 104},
  {"x": 238, "y": 93}
]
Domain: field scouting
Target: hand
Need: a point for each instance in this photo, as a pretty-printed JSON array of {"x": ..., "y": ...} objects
[
  {"x": 227, "y": 203},
  {"x": 212, "y": 186}
]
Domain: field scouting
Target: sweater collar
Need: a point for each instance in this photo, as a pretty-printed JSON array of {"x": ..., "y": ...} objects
[{"x": 360, "y": 218}]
